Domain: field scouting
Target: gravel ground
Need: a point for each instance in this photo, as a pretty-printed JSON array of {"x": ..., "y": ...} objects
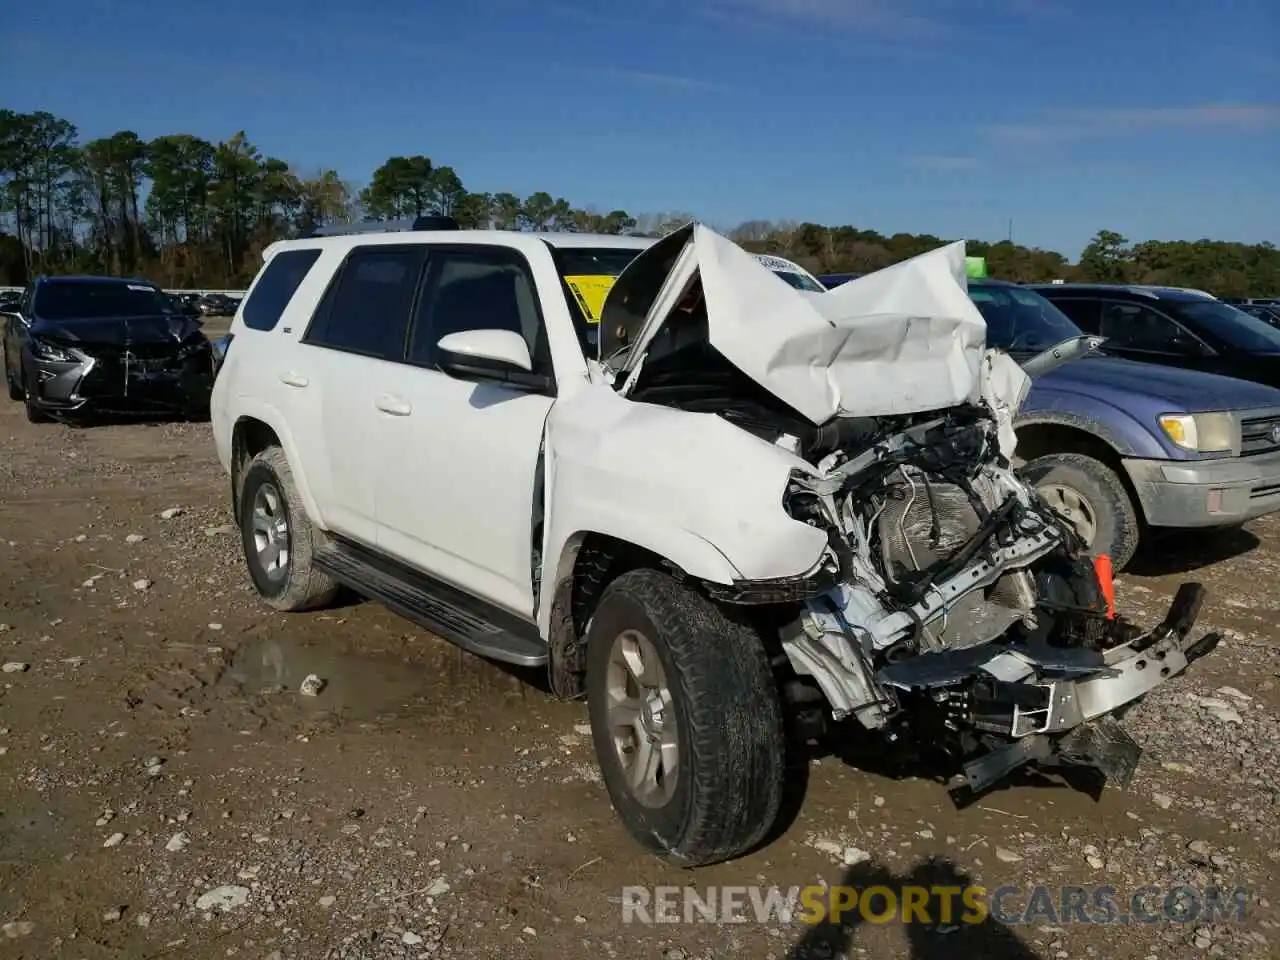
[{"x": 167, "y": 790}]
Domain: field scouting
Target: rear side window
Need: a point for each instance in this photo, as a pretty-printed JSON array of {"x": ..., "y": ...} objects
[
  {"x": 276, "y": 287},
  {"x": 366, "y": 309}
]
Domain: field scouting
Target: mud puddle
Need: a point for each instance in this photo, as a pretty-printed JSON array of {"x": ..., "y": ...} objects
[{"x": 422, "y": 676}]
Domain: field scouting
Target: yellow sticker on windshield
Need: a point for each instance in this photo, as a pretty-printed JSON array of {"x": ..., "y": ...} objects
[{"x": 590, "y": 292}]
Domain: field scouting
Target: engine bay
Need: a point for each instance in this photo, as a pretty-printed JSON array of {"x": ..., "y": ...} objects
[{"x": 962, "y": 614}]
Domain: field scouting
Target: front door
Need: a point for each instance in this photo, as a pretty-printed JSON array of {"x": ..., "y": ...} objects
[{"x": 458, "y": 460}]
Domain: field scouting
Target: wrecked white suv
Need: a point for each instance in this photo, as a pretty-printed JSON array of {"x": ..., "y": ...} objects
[{"x": 725, "y": 503}]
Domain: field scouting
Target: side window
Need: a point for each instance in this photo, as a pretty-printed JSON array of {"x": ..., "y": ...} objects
[
  {"x": 366, "y": 308},
  {"x": 276, "y": 287},
  {"x": 480, "y": 288},
  {"x": 1139, "y": 327},
  {"x": 1084, "y": 313}
]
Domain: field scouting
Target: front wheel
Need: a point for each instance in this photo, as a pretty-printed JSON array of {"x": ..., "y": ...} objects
[
  {"x": 1092, "y": 498},
  {"x": 34, "y": 413},
  {"x": 15, "y": 386},
  {"x": 686, "y": 720}
]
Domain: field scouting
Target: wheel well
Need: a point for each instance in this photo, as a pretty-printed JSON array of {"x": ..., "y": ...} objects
[
  {"x": 248, "y": 439},
  {"x": 1043, "y": 439},
  {"x": 600, "y": 559}
]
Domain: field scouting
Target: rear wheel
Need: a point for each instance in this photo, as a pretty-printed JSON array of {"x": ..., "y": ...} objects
[
  {"x": 1091, "y": 497},
  {"x": 686, "y": 720},
  {"x": 278, "y": 537}
]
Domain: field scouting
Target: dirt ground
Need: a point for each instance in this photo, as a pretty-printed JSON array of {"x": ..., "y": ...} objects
[{"x": 166, "y": 790}]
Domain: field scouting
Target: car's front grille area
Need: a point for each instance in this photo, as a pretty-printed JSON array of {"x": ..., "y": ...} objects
[
  {"x": 150, "y": 353},
  {"x": 1260, "y": 434}
]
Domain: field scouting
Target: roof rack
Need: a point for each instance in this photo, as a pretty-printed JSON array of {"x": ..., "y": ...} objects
[{"x": 432, "y": 221}]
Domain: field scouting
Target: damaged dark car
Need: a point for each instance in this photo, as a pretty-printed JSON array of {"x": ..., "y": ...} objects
[{"x": 82, "y": 346}]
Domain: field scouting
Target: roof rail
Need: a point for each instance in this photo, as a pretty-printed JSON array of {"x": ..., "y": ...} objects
[
  {"x": 1143, "y": 291},
  {"x": 1155, "y": 289},
  {"x": 426, "y": 222}
]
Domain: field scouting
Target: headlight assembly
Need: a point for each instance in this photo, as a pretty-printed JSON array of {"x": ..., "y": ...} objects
[
  {"x": 47, "y": 351},
  {"x": 1203, "y": 432}
]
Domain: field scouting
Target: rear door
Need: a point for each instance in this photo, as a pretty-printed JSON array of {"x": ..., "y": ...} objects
[{"x": 351, "y": 353}]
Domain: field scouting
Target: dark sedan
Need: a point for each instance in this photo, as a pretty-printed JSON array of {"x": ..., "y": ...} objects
[
  {"x": 80, "y": 345},
  {"x": 1173, "y": 327}
]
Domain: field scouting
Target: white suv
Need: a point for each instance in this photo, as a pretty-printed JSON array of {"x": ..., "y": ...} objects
[{"x": 702, "y": 498}]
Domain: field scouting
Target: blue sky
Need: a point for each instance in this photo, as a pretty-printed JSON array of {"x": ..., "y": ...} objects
[{"x": 1157, "y": 118}]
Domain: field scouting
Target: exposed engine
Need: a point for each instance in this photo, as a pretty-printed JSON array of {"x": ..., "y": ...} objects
[{"x": 954, "y": 607}]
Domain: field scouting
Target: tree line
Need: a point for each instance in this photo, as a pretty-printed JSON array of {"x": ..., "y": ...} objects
[{"x": 183, "y": 211}]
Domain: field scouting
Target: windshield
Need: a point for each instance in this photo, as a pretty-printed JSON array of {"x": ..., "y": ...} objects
[
  {"x": 594, "y": 261},
  {"x": 97, "y": 300},
  {"x": 800, "y": 281},
  {"x": 588, "y": 274},
  {"x": 1229, "y": 324},
  {"x": 1019, "y": 320}
]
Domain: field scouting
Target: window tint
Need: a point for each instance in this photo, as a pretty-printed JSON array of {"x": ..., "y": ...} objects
[
  {"x": 485, "y": 288},
  {"x": 1085, "y": 313},
  {"x": 276, "y": 287},
  {"x": 366, "y": 310},
  {"x": 1137, "y": 327}
]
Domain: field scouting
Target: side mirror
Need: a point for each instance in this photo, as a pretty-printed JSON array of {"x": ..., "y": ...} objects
[
  {"x": 500, "y": 356},
  {"x": 1060, "y": 353}
]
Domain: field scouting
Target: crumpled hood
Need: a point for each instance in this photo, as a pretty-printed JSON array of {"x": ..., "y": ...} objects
[
  {"x": 906, "y": 339},
  {"x": 1112, "y": 379},
  {"x": 118, "y": 331}
]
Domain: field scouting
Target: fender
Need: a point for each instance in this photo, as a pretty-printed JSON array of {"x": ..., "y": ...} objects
[
  {"x": 1119, "y": 429},
  {"x": 686, "y": 550},
  {"x": 688, "y": 487},
  {"x": 254, "y": 409}
]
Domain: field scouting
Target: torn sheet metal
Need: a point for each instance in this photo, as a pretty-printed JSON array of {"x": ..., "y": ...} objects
[{"x": 902, "y": 340}]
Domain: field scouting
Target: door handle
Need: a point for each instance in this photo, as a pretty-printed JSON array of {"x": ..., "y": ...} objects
[
  {"x": 293, "y": 379},
  {"x": 393, "y": 405}
]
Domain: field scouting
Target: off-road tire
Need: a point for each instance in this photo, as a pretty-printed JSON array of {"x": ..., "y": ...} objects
[
  {"x": 1118, "y": 527},
  {"x": 15, "y": 388},
  {"x": 304, "y": 587},
  {"x": 730, "y": 734}
]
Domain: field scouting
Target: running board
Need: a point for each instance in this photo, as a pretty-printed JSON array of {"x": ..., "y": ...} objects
[{"x": 472, "y": 624}]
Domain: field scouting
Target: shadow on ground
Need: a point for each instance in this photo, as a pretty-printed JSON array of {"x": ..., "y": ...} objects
[
  {"x": 1171, "y": 552},
  {"x": 968, "y": 934},
  {"x": 149, "y": 418}
]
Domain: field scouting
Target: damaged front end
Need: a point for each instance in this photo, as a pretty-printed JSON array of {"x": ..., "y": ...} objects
[
  {"x": 966, "y": 618},
  {"x": 952, "y": 610}
]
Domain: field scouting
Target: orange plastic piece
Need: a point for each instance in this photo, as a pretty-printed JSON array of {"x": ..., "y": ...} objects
[{"x": 1106, "y": 580}]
